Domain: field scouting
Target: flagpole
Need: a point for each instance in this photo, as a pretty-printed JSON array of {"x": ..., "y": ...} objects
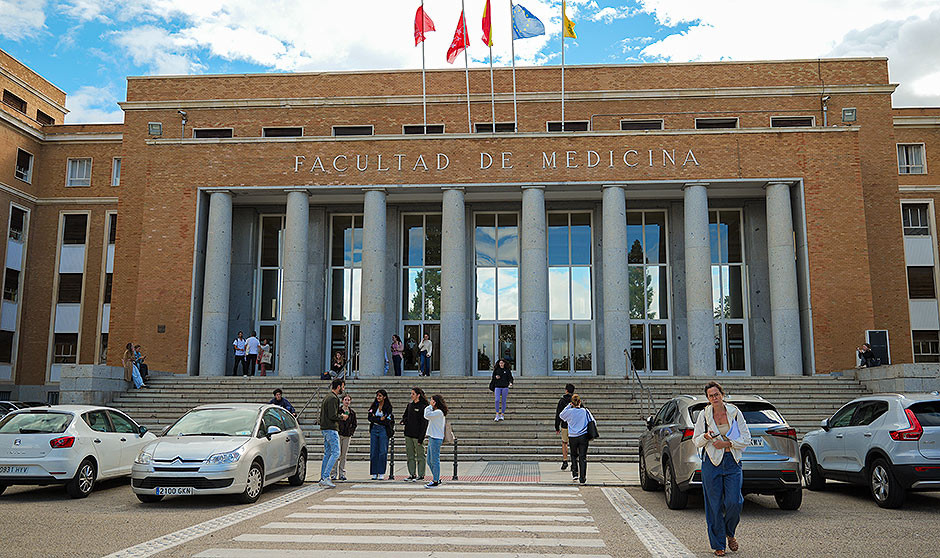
[
  {"x": 515, "y": 111},
  {"x": 562, "y": 66},
  {"x": 466, "y": 64},
  {"x": 424, "y": 84},
  {"x": 492, "y": 90}
]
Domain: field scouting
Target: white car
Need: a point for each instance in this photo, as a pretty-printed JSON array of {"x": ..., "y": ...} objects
[
  {"x": 74, "y": 445},
  {"x": 222, "y": 449}
]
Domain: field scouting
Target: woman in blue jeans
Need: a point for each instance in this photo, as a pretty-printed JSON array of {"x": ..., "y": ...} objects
[
  {"x": 381, "y": 422},
  {"x": 723, "y": 434},
  {"x": 435, "y": 414}
]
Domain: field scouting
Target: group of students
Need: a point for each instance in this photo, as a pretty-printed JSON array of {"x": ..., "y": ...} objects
[
  {"x": 251, "y": 352},
  {"x": 135, "y": 370},
  {"x": 423, "y": 417}
]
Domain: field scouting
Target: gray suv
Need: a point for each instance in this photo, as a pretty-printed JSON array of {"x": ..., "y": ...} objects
[
  {"x": 889, "y": 442},
  {"x": 669, "y": 459}
]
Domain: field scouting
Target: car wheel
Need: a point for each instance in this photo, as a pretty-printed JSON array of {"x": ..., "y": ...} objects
[
  {"x": 789, "y": 500},
  {"x": 300, "y": 473},
  {"x": 646, "y": 482},
  {"x": 675, "y": 498},
  {"x": 255, "y": 484},
  {"x": 149, "y": 498},
  {"x": 885, "y": 488},
  {"x": 83, "y": 482},
  {"x": 811, "y": 474}
]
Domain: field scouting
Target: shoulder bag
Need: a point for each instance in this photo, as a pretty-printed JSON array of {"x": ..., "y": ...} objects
[
  {"x": 592, "y": 427},
  {"x": 448, "y": 433}
]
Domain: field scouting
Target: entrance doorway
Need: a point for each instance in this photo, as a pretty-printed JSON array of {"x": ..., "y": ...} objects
[
  {"x": 414, "y": 333},
  {"x": 344, "y": 338},
  {"x": 495, "y": 341}
]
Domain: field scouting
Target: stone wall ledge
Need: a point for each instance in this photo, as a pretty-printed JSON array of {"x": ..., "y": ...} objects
[{"x": 901, "y": 378}]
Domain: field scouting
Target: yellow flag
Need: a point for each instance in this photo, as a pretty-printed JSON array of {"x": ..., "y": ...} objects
[{"x": 566, "y": 24}]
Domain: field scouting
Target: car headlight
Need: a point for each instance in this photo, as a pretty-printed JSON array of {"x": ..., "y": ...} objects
[
  {"x": 144, "y": 458},
  {"x": 224, "y": 458}
]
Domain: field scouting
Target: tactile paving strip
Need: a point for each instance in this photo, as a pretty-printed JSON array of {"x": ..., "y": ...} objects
[{"x": 507, "y": 471}]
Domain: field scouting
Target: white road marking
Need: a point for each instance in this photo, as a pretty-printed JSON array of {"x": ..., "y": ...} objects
[
  {"x": 282, "y": 538},
  {"x": 193, "y": 532},
  {"x": 451, "y": 486},
  {"x": 417, "y": 507},
  {"x": 431, "y": 498},
  {"x": 438, "y": 526},
  {"x": 444, "y": 517},
  {"x": 295, "y": 553},
  {"x": 655, "y": 537},
  {"x": 461, "y": 493}
]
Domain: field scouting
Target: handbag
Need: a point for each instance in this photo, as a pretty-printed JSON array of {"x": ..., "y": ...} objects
[
  {"x": 493, "y": 384},
  {"x": 592, "y": 428},
  {"x": 448, "y": 433}
]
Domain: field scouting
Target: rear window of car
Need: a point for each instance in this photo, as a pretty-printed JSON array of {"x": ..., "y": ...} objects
[
  {"x": 41, "y": 422},
  {"x": 927, "y": 413},
  {"x": 754, "y": 412}
]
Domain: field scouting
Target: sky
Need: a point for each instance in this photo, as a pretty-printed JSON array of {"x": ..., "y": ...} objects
[{"x": 88, "y": 47}]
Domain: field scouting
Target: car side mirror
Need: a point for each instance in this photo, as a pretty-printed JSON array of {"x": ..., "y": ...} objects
[
  {"x": 272, "y": 430},
  {"x": 649, "y": 422},
  {"x": 825, "y": 424},
  {"x": 141, "y": 430}
]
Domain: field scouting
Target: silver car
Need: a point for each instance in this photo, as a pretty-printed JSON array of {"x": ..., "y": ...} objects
[
  {"x": 670, "y": 460},
  {"x": 889, "y": 442},
  {"x": 222, "y": 449}
]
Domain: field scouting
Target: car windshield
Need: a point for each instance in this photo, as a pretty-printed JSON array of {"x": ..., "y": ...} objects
[
  {"x": 755, "y": 412},
  {"x": 215, "y": 422},
  {"x": 35, "y": 422},
  {"x": 927, "y": 413}
]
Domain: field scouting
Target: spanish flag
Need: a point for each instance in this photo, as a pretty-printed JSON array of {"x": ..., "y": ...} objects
[
  {"x": 487, "y": 25},
  {"x": 566, "y": 24}
]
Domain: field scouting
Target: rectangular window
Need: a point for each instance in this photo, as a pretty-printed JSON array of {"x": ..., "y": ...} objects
[
  {"x": 79, "y": 172},
  {"x": 116, "y": 171},
  {"x": 11, "y": 284},
  {"x": 641, "y": 124},
  {"x": 792, "y": 121},
  {"x": 715, "y": 123},
  {"x": 73, "y": 232},
  {"x": 501, "y": 127},
  {"x": 421, "y": 129},
  {"x": 353, "y": 130},
  {"x": 6, "y": 347},
  {"x": 112, "y": 228},
  {"x": 915, "y": 219},
  {"x": 570, "y": 126},
  {"x": 44, "y": 118},
  {"x": 108, "y": 281},
  {"x": 17, "y": 223},
  {"x": 926, "y": 346},
  {"x": 212, "y": 132},
  {"x": 65, "y": 350},
  {"x": 103, "y": 355},
  {"x": 286, "y": 132},
  {"x": 911, "y": 158},
  {"x": 12, "y": 100},
  {"x": 920, "y": 283},
  {"x": 70, "y": 288},
  {"x": 24, "y": 166}
]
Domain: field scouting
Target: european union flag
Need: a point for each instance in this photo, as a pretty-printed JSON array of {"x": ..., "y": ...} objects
[{"x": 524, "y": 24}]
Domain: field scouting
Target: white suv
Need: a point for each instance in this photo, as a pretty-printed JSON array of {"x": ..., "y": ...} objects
[{"x": 890, "y": 442}]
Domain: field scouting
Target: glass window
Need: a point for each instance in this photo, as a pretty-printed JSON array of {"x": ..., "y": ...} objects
[
  {"x": 641, "y": 124},
  {"x": 915, "y": 219},
  {"x": 920, "y": 282},
  {"x": 270, "y": 283},
  {"x": 287, "y": 132},
  {"x": 212, "y": 132},
  {"x": 927, "y": 412},
  {"x": 433, "y": 233},
  {"x": 116, "y": 172},
  {"x": 122, "y": 424},
  {"x": 508, "y": 293},
  {"x": 12, "y": 100},
  {"x": 108, "y": 284},
  {"x": 73, "y": 230},
  {"x": 38, "y": 422},
  {"x": 414, "y": 240},
  {"x": 868, "y": 412},
  {"x": 271, "y": 227},
  {"x": 112, "y": 228},
  {"x": 271, "y": 418},
  {"x": 65, "y": 350},
  {"x": 17, "y": 223},
  {"x": 24, "y": 166},
  {"x": 570, "y": 288},
  {"x": 79, "y": 172},
  {"x": 485, "y": 239},
  {"x": 558, "y": 239},
  {"x": 11, "y": 284},
  {"x": 486, "y": 293},
  {"x": 560, "y": 352},
  {"x": 911, "y": 158},
  {"x": 508, "y": 243},
  {"x": 70, "y": 288},
  {"x": 570, "y": 126},
  {"x": 843, "y": 416},
  {"x": 6, "y": 347},
  {"x": 97, "y": 421},
  {"x": 421, "y": 273},
  {"x": 432, "y": 294},
  {"x": 486, "y": 347},
  {"x": 926, "y": 345},
  {"x": 559, "y": 304}
]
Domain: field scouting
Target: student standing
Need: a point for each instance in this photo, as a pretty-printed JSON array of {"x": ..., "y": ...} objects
[
  {"x": 346, "y": 430},
  {"x": 416, "y": 427},
  {"x": 239, "y": 345},
  {"x": 264, "y": 356},
  {"x": 397, "y": 349},
  {"x": 577, "y": 417},
  {"x": 435, "y": 414},
  {"x": 131, "y": 372},
  {"x": 381, "y": 422},
  {"x": 426, "y": 347},
  {"x": 330, "y": 415},
  {"x": 501, "y": 382},
  {"x": 722, "y": 431},
  {"x": 561, "y": 427},
  {"x": 252, "y": 344}
]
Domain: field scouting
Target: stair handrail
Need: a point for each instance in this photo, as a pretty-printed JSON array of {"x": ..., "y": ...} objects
[
  {"x": 633, "y": 374},
  {"x": 316, "y": 393}
]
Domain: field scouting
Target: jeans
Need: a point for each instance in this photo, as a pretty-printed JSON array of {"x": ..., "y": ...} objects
[
  {"x": 500, "y": 394},
  {"x": 723, "y": 499},
  {"x": 250, "y": 361},
  {"x": 414, "y": 448},
  {"x": 425, "y": 366},
  {"x": 434, "y": 457},
  {"x": 396, "y": 360},
  {"x": 340, "y": 469},
  {"x": 579, "y": 447},
  {"x": 378, "y": 450},
  {"x": 240, "y": 359},
  {"x": 330, "y": 452}
]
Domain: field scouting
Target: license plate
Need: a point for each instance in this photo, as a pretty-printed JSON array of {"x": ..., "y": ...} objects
[
  {"x": 10, "y": 470},
  {"x": 174, "y": 491},
  {"x": 758, "y": 442}
]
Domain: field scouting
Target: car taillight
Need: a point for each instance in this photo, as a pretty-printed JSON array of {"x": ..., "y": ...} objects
[
  {"x": 687, "y": 433},
  {"x": 63, "y": 442},
  {"x": 783, "y": 432},
  {"x": 912, "y": 433}
]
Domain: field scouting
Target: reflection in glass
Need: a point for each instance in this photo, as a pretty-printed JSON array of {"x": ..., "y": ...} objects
[
  {"x": 713, "y": 239},
  {"x": 485, "y": 239},
  {"x": 735, "y": 334},
  {"x": 558, "y": 294},
  {"x": 485, "y": 346},
  {"x": 486, "y": 293},
  {"x": 410, "y": 341},
  {"x": 357, "y": 245},
  {"x": 411, "y": 305},
  {"x": 717, "y": 306},
  {"x": 732, "y": 231},
  {"x": 580, "y": 293},
  {"x": 270, "y": 241},
  {"x": 507, "y": 343},
  {"x": 634, "y": 237},
  {"x": 337, "y": 298},
  {"x": 433, "y": 234},
  {"x": 582, "y": 346},
  {"x": 414, "y": 240},
  {"x": 432, "y": 295},
  {"x": 338, "y": 341},
  {"x": 508, "y": 240},
  {"x": 659, "y": 353},
  {"x": 508, "y": 293},
  {"x": 338, "y": 246},
  {"x": 558, "y": 239},
  {"x": 655, "y": 229},
  {"x": 581, "y": 239},
  {"x": 657, "y": 293},
  {"x": 270, "y": 281},
  {"x": 356, "y": 294},
  {"x": 636, "y": 288},
  {"x": 718, "y": 365},
  {"x": 560, "y": 347},
  {"x": 735, "y": 294},
  {"x": 637, "y": 346}
]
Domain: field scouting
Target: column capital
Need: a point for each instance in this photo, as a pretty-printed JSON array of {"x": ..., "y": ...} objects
[
  {"x": 298, "y": 189},
  {"x": 219, "y": 191},
  {"x": 374, "y": 189},
  {"x": 458, "y": 188},
  {"x": 533, "y": 186},
  {"x": 776, "y": 182},
  {"x": 691, "y": 184},
  {"x": 618, "y": 186}
]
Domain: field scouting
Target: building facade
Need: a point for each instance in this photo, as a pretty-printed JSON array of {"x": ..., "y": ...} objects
[{"x": 759, "y": 218}]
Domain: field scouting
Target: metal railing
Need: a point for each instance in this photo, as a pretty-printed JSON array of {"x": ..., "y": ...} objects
[{"x": 647, "y": 405}]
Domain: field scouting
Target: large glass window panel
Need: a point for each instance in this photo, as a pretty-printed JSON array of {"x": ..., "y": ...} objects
[
  {"x": 581, "y": 239},
  {"x": 634, "y": 237},
  {"x": 637, "y": 288},
  {"x": 732, "y": 221},
  {"x": 486, "y": 293},
  {"x": 414, "y": 240},
  {"x": 507, "y": 343},
  {"x": 582, "y": 346},
  {"x": 718, "y": 364},
  {"x": 656, "y": 298},
  {"x": 558, "y": 253},
  {"x": 581, "y": 293},
  {"x": 357, "y": 243},
  {"x": 659, "y": 347},
  {"x": 270, "y": 241},
  {"x": 432, "y": 295},
  {"x": 269, "y": 289},
  {"x": 717, "y": 306},
  {"x": 560, "y": 353},
  {"x": 655, "y": 231},
  {"x": 433, "y": 234},
  {"x": 338, "y": 300},
  {"x": 342, "y": 233},
  {"x": 735, "y": 293},
  {"x": 509, "y": 293},
  {"x": 637, "y": 346},
  {"x": 735, "y": 336},
  {"x": 558, "y": 294},
  {"x": 356, "y": 293},
  {"x": 508, "y": 240},
  {"x": 411, "y": 307},
  {"x": 486, "y": 346},
  {"x": 485, "y": 240},
  {"x": 713, "y": 239},
  {"x": 411, "y": 341}
]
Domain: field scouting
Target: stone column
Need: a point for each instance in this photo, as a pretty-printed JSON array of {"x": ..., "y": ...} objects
[
  {"x": 698, "y": 282},
  {"x": 616, "y": 285},
  {"x": 215, "y": 344},
  {"x": 372, "y": 332},
  {"x": 292, "y": 337},
  {"x": 784, "y": 298},
  {"x": 534, "y": 284},
  {"x": 454, "y": 284}
]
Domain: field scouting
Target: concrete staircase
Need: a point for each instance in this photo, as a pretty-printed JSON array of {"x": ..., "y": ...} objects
[{"x": 528, "y": 432}]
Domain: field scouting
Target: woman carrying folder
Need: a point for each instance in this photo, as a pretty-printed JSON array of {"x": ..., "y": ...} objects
[{"x": 721, "y": 430}]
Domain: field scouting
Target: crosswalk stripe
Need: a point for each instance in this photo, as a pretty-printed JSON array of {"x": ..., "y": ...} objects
[
  {"x": 445, "y": 517},
  {"x": 417, "y": 507},
  {"x": 379, "y": 485},
  {"x": 653, "y": 534},
  {"x": 312, "y": 553},
  {"x": 430, "y": 498},
  {"x": 449, "y": 492},
  {"x": 281, "y": 538},
  {"x": 438, "y": 526}
]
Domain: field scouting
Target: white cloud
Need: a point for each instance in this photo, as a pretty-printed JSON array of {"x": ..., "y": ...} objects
[
  {"x": 22, "y": 19},
  {"x": 87, "y": 10},
  {"x": 162, "y": 51},
  {"x": 91, "y": 104},
  {"x": 609, "y": 14}
]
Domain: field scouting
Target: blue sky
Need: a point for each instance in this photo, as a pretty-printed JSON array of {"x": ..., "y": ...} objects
[{"x": 87, "y": 47}]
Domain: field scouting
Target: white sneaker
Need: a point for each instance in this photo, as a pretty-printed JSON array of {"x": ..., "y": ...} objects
[
  {"x": 374, "y": 477},
  {"x": 496, "y": 419},
  {"x": 327, "y": 483},
  {"x": 381, "y": 477}
]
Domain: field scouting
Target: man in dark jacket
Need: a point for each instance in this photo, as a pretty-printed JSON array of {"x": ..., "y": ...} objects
[
  {"x": 330, "y": 415},
  {"x": 416, "y": 426},
  {"x": 279, "y": 399},
  {"x": 561, "y": 427}
]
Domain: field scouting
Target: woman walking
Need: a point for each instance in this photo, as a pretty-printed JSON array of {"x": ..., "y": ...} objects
[
  {"x": 381, "y": 422},
  {"x": 500, "y": 384},
  {"x": 577, "y": 417},
  {"x": 416, "y": 426},
  {"x": 397, "y": 348},
  {"x": 435, "y": 414},
  {"x": 722, "y": 431},
  {"x": 131, "y": 372},
  {"x": 346, "y": 430}
]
